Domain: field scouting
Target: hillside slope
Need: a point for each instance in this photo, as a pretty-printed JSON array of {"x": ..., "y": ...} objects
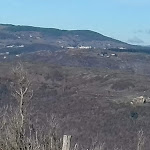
[
  {"x": 12, "y": 36},
  {"x": 90, "y": 104},
  {"x": 83, "y": 78}
]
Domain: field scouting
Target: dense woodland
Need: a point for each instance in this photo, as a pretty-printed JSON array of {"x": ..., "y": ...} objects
[{"x": 79, "y": 102}]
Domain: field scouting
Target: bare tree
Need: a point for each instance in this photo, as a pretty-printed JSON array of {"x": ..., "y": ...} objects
[
  {"x": 18, "y": 130},
  {"x": 21, "y": 89},
  {"x": 141, "y": 140},
  {"x": 22, "y": 92}
]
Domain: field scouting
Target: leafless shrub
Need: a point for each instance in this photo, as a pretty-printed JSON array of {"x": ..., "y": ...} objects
[{"x": 17, "y": 130}]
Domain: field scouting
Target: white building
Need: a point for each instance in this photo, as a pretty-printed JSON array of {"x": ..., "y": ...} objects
[{"x": 84, "y": 47}]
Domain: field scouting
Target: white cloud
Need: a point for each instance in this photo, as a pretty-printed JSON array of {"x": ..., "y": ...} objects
[{"x": 135, "y": 40}]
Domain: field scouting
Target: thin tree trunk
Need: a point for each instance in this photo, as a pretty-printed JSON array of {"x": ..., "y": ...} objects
[{"x": 66, "y": 142}]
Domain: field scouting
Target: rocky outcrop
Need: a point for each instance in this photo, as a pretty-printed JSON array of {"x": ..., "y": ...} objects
[{"x": 138, "y": 100}]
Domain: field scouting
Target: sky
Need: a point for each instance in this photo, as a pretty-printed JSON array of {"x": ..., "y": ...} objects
[{"x": 125, "y": 20}]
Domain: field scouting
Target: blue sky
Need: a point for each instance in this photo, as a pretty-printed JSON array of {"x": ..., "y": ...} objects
[{"x": 126, "y": 20}]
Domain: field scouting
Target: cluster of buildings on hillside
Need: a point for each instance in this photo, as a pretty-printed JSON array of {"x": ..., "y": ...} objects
[
  {"x": 88, "y": 47},
  {"x": 105, "y": 54},
  {"x": 80, "y": 47},
  {"x": 5, "y": 54},
  {"x": 14, "y": 46}
]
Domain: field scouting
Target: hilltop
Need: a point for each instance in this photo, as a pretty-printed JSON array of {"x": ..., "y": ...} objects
[{"x": 37, "y": 38}]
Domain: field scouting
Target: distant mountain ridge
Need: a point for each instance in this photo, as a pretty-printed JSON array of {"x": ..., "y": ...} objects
[
  {"x": 62, "y": 37},
  {"x": 57, "y": 32},
  {"x": 17, "y": 39},
  {"x": 88, "y": 34}
]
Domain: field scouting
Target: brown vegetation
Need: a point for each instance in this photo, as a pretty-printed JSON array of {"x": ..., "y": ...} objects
[{"x": 81, "y": 103}]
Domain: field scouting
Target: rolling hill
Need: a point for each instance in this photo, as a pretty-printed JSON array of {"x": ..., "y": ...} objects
[{"x": 11, "y": 35}]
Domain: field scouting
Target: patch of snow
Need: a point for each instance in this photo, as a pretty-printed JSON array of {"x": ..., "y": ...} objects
[
  {"x": 84, "y": 47},
  {"x": 31, "y": 36},
  {"x": 113, "y": 54},
  {"x": 10, "y": 46},
  {"x": 122, "y": 48},
  {"x": 106, "y": 76},
  {"x": 19, "y": 37},
  {"x": 38, "y": 37},
  {"x": 20, "y": 46},
  {"x": 17, "y": 55},
  {"x": 5, "y": 57},
  {"x": 70, "y": 47},
  {"x": 7, "y": 53}
]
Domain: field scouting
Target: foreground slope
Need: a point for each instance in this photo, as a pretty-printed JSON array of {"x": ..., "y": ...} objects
[{"x": 90, "y": 104}]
